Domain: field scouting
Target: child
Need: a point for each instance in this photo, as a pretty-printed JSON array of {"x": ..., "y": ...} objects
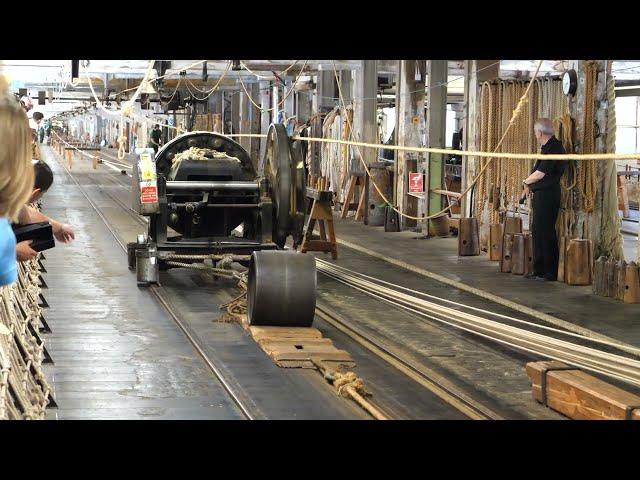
[{"x": 16, "y": 176}]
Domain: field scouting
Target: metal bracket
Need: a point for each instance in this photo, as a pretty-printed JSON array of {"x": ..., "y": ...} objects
[
  {"x": 45, "y": 328},
  {"x": 628, "y": 412}
]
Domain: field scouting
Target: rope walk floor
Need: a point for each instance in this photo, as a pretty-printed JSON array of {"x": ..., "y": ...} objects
[{"x": 117, "y": 353}]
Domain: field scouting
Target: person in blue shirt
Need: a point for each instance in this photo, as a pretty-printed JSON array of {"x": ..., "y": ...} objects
[{"x": 16, "y": 175}]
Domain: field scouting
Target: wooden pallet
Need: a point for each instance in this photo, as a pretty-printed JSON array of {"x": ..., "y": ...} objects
[
  {"x": 579, "y": 395},
  {"x": 298, "y": 347}
]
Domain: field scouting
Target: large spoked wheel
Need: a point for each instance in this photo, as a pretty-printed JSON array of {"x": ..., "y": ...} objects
[
  {"x": 284, "y": 168},
  {"x": 281, "y": 289},
  {"x": 277, "y": 169}
]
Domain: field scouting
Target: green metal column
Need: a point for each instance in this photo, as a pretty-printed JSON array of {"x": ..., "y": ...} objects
[{"x": 436, "y": 131}]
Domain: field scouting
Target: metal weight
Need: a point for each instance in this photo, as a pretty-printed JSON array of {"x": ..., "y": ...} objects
[{"x": 281, "y": 289}]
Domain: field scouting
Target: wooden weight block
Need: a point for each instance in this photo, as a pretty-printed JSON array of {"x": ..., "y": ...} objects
[
  {"x": 610, "y": 278},
  {"x": 620, "y": 278},
  {"x": 578, "y": 262},
  {"x": 518, "y": 254},
  {"x": 496, "y": 234},
  {"x": 513, "y": 225},
  {"x": 528, "y": 249},
  {"x": 599, "y": 276},
  {"x": 505, "y": 254},
  {"x": 632, "y": 284},
  {"x": 562, "y": 253},
  {"x": 468, "y": 237}
]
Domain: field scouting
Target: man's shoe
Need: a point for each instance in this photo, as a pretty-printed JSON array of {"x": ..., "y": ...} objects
[{"x": 532, "y": 276}]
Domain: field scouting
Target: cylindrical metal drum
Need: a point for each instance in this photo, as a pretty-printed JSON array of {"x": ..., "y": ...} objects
[
  {"x": 281, "y": 289},
  {"x": 376, "y": 204},
  {"x": 147, "y": 265}
]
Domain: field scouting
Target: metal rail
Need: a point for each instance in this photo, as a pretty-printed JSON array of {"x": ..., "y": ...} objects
[
  {"x": 425, "y": 377},
  {"x": 188, "y": 185}
]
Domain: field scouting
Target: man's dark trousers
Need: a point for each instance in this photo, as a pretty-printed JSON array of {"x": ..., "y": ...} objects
[{"x": 546, "y": 204}]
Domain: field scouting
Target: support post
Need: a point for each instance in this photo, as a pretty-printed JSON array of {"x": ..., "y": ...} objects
[
  {"x": 235, "y": 111},
  {"x": 265, "y": 116},
  {"x": 410, "y": 127},
  {"x": 325, "y": 91},
  {"x": 475, "y": 73},
  {"x": 289, "y": 97},
  {"x": 436, "y": 132}
]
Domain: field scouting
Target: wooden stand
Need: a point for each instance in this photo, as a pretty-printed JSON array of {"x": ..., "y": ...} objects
[
  {"x": 518, "y": 254},
  {"x": 320, "y": 212},
  {"x": 468, "y": 237},
  {"x": 355, "y": 182},
  {"x": 578, "y": 262},
  {"x": 496, "y": 234}
]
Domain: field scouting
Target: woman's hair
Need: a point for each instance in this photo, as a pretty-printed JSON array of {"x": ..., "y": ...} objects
[{"x": 16, "y": 169}]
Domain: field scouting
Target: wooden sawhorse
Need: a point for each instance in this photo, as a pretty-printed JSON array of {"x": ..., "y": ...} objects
[{"x": 321, "y": 212}]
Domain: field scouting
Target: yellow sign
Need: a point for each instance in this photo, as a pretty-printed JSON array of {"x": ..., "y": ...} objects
[{"x": 147, "y": 168}]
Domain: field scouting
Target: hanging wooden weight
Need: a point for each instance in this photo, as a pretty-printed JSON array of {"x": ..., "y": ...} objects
[
  {"x": 578, "y": 262},
  {"x": 528, "y": 249},
  {"x": 599, "y": 276},
  {"x": 505, "y": 254},
  {"x": 562, "y": 253},
  {"x": 468, "y": 237},
  {"x": 513, "y": 225},
  {"x": 518, "y": 259},
  {"x": 609, "y": 278},
  {"x": 620, "y": 276},
  {"x": 496, "y": 234},
  {"x": 632, "y": 284}
]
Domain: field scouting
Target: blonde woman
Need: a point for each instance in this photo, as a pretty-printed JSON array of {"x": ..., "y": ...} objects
[{"x": 16, "y": 175}]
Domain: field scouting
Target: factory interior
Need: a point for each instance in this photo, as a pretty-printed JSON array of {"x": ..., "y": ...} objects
[{"x": 320, "y": 240}]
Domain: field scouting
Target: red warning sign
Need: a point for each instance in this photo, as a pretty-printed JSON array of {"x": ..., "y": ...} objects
[
  {"x": 149, "y": 194},
  {"x": 416, "y": 182}
]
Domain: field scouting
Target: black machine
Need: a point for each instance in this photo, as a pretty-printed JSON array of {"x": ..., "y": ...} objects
[{"x": 207, "y": 201}]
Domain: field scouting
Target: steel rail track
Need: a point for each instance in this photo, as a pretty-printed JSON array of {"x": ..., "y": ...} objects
[
  {"x": 242, "y": 401},
  {"x": 423, "y": 376}
]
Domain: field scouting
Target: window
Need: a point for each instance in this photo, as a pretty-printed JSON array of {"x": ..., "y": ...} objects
[{"x": 627, "y": 126}]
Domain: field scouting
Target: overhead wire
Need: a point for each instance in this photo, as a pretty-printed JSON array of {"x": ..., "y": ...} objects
[{"x": 283, "y": 99}]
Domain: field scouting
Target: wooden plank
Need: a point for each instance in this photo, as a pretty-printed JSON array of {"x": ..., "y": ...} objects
[
  {"x": 259, "y": 333},
  {"x": 447, "y": 193},
  {"x": 296, "y": 347},
  {"x": 580, "y": 396}
]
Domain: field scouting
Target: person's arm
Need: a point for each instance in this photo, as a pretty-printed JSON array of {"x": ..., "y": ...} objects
[
  {"x": 62, "y": 231},
  {"x": 536, "y": 176}
]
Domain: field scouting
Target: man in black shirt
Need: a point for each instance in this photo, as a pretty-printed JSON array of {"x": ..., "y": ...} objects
[
  {"x": 156, "y": 134},
  {"x": 543, "y": 186}
]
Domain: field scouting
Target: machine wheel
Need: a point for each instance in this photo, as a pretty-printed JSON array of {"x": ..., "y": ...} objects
[
  {"x": 281, "y": 289},
  {"x": 277, "y": 167},
  {"x": 283, "y": 166}
]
